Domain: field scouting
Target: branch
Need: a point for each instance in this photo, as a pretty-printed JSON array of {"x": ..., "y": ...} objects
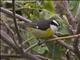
[
  {"x": 12, "y": 56},
  {"x": 72, "y": 21},
  {"x": 65, "y": 45},
  {"x": 26, "y": 50},
  {"x": 28, "y": 22},
  {"x": 8, "y": 40},
  {"x": 6, "y": 11},
  {"x": 69, "y": 15},
  {"x": 10, "y": 31},
  {"x": 77, "y": 41},
  {"x": 66, "y": 37},
  {"x": 62, "y": 8},
  {"x": 60, "y": 41},
  {"x": 16, "y": 27},
  {"x": 20, "y": 56},
  {"x": 42, "y": 57},
  {"x": 4, "y": 37},
  {"x": 28, "y": 56},
  {"x": 77, "y": 16}
]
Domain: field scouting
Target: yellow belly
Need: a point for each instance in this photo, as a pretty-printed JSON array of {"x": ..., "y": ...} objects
[{"x": 40, "y": 33}]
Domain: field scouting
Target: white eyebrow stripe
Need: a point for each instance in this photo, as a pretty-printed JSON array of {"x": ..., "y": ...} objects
[{"x": 55, "y": 22}]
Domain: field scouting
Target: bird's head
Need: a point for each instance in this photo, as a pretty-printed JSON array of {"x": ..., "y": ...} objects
[{"x": 54, "y": 25}]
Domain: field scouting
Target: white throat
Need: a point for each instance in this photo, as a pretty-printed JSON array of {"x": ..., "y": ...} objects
[{"x": 54, "y": 28}]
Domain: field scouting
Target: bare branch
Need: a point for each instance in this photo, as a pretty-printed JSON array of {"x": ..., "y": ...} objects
[
  {"x": 66, "y": 45},
  {"x": 11, "y": 32},
  {"x": 69, "y": 15},
  {"x": 28, "y": 56},
  {"x": 16, "y": 27},
  {"x": 77, "y": 16},
  {"x": 6, "y": 11},
  {"x": 66, "y": 37},
  {"x": 43, "y": 58},
  {"x": 7, "y": 39},
  {"x": 77, "y": 42},
  {"x": 31, "y": 47}
]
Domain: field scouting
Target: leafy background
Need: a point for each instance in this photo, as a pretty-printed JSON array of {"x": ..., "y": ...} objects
[{"x": 41, "y": 10}]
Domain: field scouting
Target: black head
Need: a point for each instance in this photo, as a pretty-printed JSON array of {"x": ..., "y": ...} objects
[{"x": 45, "y": 24}]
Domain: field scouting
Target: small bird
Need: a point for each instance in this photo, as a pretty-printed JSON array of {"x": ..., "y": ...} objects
[{"x": 44, "y": 29}]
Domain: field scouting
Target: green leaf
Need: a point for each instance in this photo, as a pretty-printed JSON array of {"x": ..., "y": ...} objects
[
  {"x": 40, "y": 10},
  {"x": 40, "y": 49},
  {"x": 49, "y": 5},
  {"x": 55, "y": 50},
  {"x": 73, "y": 6},
  {"x": 58, "y": 52}
]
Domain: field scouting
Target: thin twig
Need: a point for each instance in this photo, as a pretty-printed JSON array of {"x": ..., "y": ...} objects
[
  {"x": 6, "y": 11},
  {"x": 12, "y": 56},
  {"x": 20, "y": 56},
  {"x": 10, "y": 31},
  {"x": 65, "y": 45},
  {"x": 66, "y": 37},
  {"x": 16, "y": 27},
  {"x": 26, "y": 41},
  {"x": 28, "y": 55},
  {"x": 8, "y": 27},
  {"x": 4, "y": 37},
  {"x": 58, "y": 39},
  {"x": 31, "y": 47},
  {"x": 77, "y": 42},
  {"x": 8, "y": 40},
  {"x": 42, "y": 57},
  {"x": 61, "y": 42},
  {"x": 74, "y": 26},
  {"x": 69, "y": 15}
]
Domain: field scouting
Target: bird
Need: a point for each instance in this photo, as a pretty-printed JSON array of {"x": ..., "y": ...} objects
[{"x": 44, "y": 29}]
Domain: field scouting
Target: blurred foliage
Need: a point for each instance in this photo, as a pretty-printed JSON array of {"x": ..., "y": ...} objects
[
  {"x": 41, "y": 9},
  {"x": 44, "y": 10},
  {"x": 73, "y": 6}
]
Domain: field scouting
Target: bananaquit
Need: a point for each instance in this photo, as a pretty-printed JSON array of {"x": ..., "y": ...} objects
[{"x": 44, "y": 29}]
